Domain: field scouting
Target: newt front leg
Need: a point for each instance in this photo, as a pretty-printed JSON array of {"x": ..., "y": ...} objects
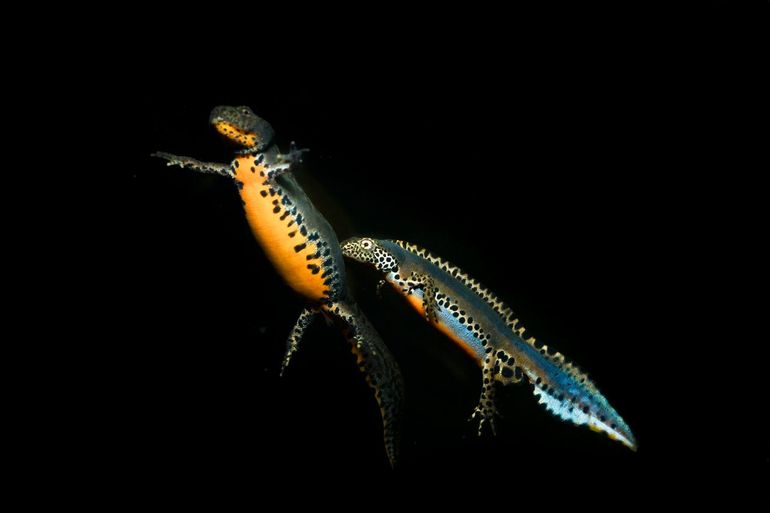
[
  {"x": 380, "y": 284},
  {"x": 294, "y": 156},
  {"x": 194, "y": 164},
  {"x": 425, "y": 283}
]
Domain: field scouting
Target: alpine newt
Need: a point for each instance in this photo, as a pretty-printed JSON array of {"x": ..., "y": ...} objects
[
  {"x": 303, "y": 248},
  {"x": 489, "y": 332}
]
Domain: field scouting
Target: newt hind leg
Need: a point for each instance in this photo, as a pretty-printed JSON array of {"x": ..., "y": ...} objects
[
  {"x": 499, "y": 367},
  {"x": 292, "y": 344},
  {"x": 485, "y": 411}
]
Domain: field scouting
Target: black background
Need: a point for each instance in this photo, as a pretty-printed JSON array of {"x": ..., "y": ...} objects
[{"x": 566, "y": 163}]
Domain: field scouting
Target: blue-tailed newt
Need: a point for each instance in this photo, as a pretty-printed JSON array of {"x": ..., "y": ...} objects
[
  {"x": 489, "y": 332},
  {"x": 303, "y": 248}
]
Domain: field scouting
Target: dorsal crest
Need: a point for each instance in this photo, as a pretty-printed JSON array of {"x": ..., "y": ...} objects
[{"x": 498, "y": 306}]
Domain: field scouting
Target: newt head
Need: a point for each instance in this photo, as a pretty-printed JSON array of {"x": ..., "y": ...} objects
[
  {"x": 369, "y": 251},
  {"x": 242, "y": 126}
]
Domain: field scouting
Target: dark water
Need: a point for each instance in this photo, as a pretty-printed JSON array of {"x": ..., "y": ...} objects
[{"x": 558, "y": 186}]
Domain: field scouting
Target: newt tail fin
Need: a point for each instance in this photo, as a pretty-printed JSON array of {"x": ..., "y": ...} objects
[{"x": 566, "y": 391}]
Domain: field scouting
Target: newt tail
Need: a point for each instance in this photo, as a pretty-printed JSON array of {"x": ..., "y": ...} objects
[{"x": 476, "y": 320}]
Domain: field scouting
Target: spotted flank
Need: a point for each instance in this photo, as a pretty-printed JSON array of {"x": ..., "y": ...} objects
[
  {"x": 297, "y": 240},
  {"x": 455, "y": 272},
  {"x": 486, "y": 329},
  {"x": 303, "y": 248}
]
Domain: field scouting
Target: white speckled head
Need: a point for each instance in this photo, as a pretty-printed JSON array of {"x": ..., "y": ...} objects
[{"x": 370, "y": 251}]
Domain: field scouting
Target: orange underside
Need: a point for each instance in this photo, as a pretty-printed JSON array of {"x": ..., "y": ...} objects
[
  {"x": 233, "y": 133},
  {"x": 443, "y": 328},
  {"x": 273, "y": 233}
]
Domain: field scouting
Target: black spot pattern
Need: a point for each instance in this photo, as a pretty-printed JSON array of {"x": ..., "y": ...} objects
[{"x": 505, "y": 313}]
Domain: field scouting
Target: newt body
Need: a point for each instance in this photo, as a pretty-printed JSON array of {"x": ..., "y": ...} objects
[
  {"x": 304, "y": 250},
  {"x": 472, "y": 317}
]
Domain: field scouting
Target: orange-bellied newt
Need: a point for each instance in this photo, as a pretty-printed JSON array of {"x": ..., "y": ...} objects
[
  {"x": 488, "y": 331},
  {"x": 303, "y": 248}
]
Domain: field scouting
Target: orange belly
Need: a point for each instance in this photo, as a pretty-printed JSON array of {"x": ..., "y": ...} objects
[
  {"x": 416, "y": 303},
  {"x": 281, "y": 239}
]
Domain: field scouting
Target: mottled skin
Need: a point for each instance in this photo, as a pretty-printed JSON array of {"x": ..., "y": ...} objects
[
  {"x": 303, "y": 248},
  {"x": 488, "y": 331}
]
